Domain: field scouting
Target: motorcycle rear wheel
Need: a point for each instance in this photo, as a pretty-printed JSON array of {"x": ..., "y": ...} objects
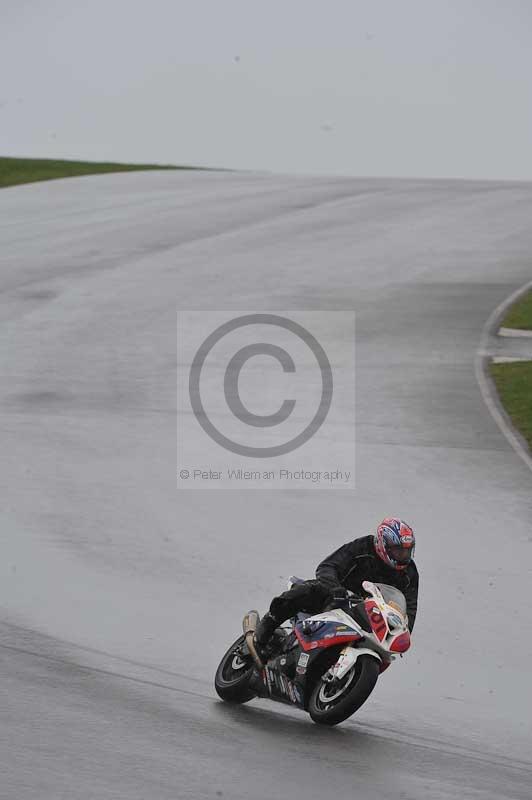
[
  {"x": 233, "y": 675},
  {"x": 329, "y": 705}
]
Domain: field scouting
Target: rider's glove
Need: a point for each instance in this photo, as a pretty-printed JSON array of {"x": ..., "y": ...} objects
[{"x": 339, "y": 594}]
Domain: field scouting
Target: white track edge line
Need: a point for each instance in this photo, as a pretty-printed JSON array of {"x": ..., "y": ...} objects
[{"x": 487, "y": 388}]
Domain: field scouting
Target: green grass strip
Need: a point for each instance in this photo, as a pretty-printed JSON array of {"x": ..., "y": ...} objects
[
  {"x": 28, "y": 170},
  {"x": 520, "y": 314},
  {"x": 514, "y": 384}
]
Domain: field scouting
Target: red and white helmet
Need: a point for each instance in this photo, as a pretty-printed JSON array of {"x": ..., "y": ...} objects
[{"x": 395, "y": 543}]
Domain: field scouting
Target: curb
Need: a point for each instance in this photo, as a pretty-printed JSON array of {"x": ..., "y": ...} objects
[
  {"x": 515, "y": 333},
  {"x": 509, "y": 359},
  {"x": 486, "y": 385}
]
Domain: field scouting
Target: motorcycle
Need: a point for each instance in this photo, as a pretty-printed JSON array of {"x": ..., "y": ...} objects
[{"x": 326, "y": 664}]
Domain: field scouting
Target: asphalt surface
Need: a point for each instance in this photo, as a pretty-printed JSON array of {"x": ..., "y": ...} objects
[{"x": 119, "y": 592}]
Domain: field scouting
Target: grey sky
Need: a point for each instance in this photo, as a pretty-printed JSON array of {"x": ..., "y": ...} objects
[{"x": 413, "y": 88}]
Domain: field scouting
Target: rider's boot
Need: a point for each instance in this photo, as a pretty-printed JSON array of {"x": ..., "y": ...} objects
[{"x": 264, "y": 635}]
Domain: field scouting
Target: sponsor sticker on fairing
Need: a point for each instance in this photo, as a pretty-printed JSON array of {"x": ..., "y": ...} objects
[{"x": 301, "y": 667}]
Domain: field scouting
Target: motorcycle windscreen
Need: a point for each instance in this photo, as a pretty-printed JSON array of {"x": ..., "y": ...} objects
[{"x": 393, "y": 597}]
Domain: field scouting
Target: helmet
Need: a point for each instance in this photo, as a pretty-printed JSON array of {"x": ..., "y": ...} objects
[{"x": 395, "y": 543}]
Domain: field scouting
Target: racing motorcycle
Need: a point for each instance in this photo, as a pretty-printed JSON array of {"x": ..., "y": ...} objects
[{"x": 326, "y": 664}]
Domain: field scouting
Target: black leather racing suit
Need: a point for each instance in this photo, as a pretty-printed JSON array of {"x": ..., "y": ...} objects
[{"x": 348, "y": 567}]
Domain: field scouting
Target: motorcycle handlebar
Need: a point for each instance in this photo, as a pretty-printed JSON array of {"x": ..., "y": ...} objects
[{"x": 351, "y": 600}]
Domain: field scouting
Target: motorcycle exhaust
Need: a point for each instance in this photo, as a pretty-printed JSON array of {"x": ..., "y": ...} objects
[{"x": 249, "y": 626}]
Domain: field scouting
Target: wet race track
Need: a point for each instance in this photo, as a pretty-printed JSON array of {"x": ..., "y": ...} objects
[{"x": 119, "y": 592}]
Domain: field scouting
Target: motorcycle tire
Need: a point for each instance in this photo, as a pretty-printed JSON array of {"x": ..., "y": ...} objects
[
  {"x": 233, "y": 676},
  {"x": 329, "y": 706}
]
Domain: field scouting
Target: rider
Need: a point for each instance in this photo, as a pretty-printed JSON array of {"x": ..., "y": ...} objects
[{"x": 383, "y": 557}]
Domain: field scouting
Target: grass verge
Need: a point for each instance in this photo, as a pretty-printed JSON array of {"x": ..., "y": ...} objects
[
  {"x": 514, "y": 384},
  {"x": 28, "y": 170},
  {"x": 520, "y": 314}
]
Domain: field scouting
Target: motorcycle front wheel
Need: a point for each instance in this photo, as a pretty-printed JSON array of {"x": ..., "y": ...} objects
[
  {"x": 234, "y": 674},
  {"x": 331, "y": 703}
]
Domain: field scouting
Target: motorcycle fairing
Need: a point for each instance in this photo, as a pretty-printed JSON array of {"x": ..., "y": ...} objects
[
  {"x": 401, "y": 643},
  {"x": 281, "y": 687},
  {"x": 286, "y": 677},
  {"x": 377, "y": 620},
  {"x": 327, "y": 629},
  {"x": 378, "y": 613}
]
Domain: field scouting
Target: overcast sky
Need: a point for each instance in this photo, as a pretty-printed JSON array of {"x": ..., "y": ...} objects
[{"x": 388, "y": 87}]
